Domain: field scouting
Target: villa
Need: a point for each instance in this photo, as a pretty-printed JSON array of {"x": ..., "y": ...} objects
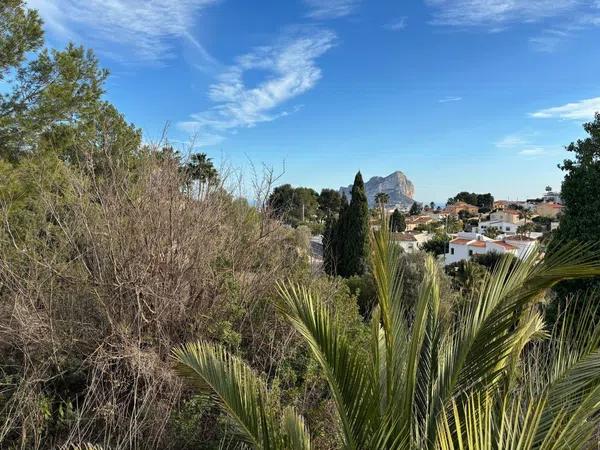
[
  {"x": 507, "y": 221},
  {"x": 465, "y": 245}
]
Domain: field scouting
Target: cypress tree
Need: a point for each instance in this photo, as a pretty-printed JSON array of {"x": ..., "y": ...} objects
[
  {"x": 340, "y": 238},
  {"x": 354, "y": 260},
  {"x": 330, "y": 245}
]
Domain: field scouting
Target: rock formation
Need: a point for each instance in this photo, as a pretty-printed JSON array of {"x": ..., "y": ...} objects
[{"x": 396, "y": 185}]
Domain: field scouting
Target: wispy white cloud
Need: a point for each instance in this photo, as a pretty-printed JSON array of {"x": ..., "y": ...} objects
[
  {"x": 549, "y": 40},
  {"x": 532, "y": 151},
  {"x": 331, "y": 9},
  {"x": 291, "y": 70},
  {"x": 523, "y": 144},
  {"x": 396, "y": 25},
  {"x": 512, "y": 141},
  {"x": 581, "y": 110},
  {"x": 449, "y": 99},
  {"x": 140, "y": 30},
  {"x": 498, "y": 12}
]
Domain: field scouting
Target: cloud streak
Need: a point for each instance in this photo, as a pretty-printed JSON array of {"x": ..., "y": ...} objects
[
  {"x": 468, "y": 13},
  {"x": 128, "y": 29},
  {"x": 535, "y": 151},
  {"x": 291, "y": 70},
  {"x": 396, "y": 25},
  {"x": 331, "y": 9},
  {"x": 450, "y": 99},
  {"x": 581, "y": 110}
]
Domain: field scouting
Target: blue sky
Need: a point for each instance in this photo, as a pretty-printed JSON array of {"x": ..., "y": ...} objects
[{"x": 477, "y": 95}]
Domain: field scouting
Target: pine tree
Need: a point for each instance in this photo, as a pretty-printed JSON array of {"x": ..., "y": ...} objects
[
  {"x": 355, "y": 256},
  {"x": 415, "y": 209}
]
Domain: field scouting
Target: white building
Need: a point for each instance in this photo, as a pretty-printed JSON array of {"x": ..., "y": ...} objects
[
  {"x": 465, "y": 245},
  {"x": 552, "y": 197},
  {"x": 524, "y": 244},
  {"x": 410, "y": 242},
  {"x": 506, "y": 222}
]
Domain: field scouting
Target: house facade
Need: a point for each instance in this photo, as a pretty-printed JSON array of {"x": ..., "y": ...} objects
[
  {"x": 549, "y": 209},
  {"x": 507, "y": 221},
  {"x": 410, "y": 242},
  {"x": 457, "y": 207},
  {"x": 466, "y": 245},
  {"x": 413, "y": 222}
]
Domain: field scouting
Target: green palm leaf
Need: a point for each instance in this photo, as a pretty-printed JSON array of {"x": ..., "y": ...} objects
[{"x": 243, "y": 396}]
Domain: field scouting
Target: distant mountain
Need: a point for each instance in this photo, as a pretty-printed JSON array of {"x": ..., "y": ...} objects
[{"x": 396, "y": 185}]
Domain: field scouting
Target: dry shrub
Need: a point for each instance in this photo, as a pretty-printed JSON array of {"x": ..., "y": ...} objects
[{"x": 120, "y": 270}]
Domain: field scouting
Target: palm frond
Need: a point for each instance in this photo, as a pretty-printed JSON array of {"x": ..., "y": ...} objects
[
  {"x": 345, "y": 368},
  {"x": 243, "y": 396}
]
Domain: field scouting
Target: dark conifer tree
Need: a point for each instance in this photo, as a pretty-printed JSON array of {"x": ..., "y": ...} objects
[
  {"x": 340, "y": 238},
  {"x": 397, "y": 222},
  {"x": 330, "y": 245},
  {"x": 354, "y": 260}
]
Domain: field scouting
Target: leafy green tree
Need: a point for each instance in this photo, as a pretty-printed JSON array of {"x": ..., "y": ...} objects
[
  {"x": 426, "y": 379},
  {"x": 50, "y": 89},
  {"x": 51, "y": 101},
  {"x": 294, "y": 205},
  {"x": 482, "y": 200},
  {"x": 437, "y": 245},
  {"x": 21, "y": 33},
  {"x": 397, "y": 222},
  {"x": 329, "y": 202},
  {"x": 415, "y": 209},
  {"x": 432, "y": 205},
  {"x": 354, "y": 259},
  {"x": 580, "y": 193},
  {"x": 99, "y": 142}
]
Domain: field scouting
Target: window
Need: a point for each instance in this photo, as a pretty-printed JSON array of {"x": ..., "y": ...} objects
[
  {"x": 507, "y": 228},
  {"x": 452, "y": 251},
  {"x": 470, "y": 252}
]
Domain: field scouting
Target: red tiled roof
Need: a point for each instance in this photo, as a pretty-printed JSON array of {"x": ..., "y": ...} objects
[
  {"x": 480, "y": 244},
  {"x": 460, "y": 241},
  {"x": 406, "y": 237},
  {"x": 506, "y": 245}
]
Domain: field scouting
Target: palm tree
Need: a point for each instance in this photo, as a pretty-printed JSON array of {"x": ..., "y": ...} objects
[
  {"x": 382, "y": 199},
  {"x": 201, "y": 169},
  {"x": 474, "y": 378}
]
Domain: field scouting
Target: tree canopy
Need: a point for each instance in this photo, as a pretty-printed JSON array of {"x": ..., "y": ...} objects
[
  {"x": 481, "y": 200},
  {"x": 580, "y": 193}
]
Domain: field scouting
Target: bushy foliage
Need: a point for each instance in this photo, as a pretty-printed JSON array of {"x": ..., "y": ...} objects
[{"x": 581, "y": 196}]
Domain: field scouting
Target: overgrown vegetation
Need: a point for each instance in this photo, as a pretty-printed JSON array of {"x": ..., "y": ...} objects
[
  {"x": 485, "y": 374},
  {"x": 114, "y": 252}
]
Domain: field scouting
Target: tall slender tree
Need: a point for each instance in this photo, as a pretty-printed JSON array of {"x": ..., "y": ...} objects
[
  {"x": 356, "y": 247},
  {"x": 341, "y": 237},
  {"x": 330, "y": 245}
]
